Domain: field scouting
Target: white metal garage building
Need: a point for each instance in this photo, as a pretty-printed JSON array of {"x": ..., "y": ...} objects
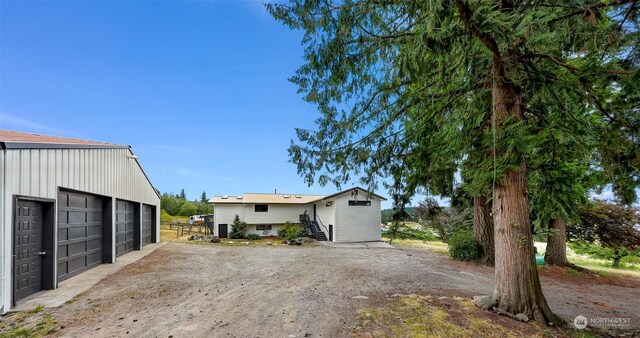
[{"x": 66, "y": 206}]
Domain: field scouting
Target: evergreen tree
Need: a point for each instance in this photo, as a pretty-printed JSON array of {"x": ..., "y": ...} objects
[
  {"x": 203, "y": 197},
  {"x": 416, "y": 91},
  {"x": 183, "y": 196}
]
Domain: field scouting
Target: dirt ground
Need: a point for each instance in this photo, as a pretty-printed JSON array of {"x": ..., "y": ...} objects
[{"x": 187, "y": 290}]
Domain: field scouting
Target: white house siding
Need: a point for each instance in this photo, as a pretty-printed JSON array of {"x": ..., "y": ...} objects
[
  {"x": 41, "y": 172},
  {"x": 326, "y": 215},
  {"x": 225, "y": 214},
  {"x": 356, "y": 223},
  {"x": 251, "y": 229},
  {"x": 277, "y": 214}
]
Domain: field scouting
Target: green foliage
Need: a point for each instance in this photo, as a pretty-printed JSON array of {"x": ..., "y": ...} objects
[
  {"x": 405, "y": 86},
  {"x": 188, "y": 209},
  {"x": 291, "y": 231},
  {"x": 463, "y": 247},
  {"x": 611, "y": 225},
  {"x": 405, "y": 233},
  {"x": 164, "y": 216},
  {"x": 253, "y": 237},
  {"x": 622, "y": 255},
  {"x": 305, "y": 221},
  {"x": 238, "y": 228},
  {"x": 392, "y": 234},
  {"x": 175, "y": 205}
]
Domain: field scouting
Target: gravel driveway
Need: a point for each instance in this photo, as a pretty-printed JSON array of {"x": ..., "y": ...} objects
[{"x": 187, "y": 290}]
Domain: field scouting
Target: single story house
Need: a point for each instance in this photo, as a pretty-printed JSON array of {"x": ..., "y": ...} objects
[
  {"x": 352, "y": 215},
  {"x": 66, "y": 206}
]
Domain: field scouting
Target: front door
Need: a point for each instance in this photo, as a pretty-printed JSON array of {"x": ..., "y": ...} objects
[
  {"x": 222, "y": 231},
  {"x": 331, "y": 232},
  {"x": 28, "y": 253}
]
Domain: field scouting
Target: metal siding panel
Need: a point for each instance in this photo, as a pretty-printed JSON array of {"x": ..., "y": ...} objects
[
  {"x": 34, "y": 178},
  {"x": 44, "y": 173}
]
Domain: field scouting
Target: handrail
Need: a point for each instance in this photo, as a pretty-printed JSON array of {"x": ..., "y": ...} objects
[{"x": 320, "y": 222}]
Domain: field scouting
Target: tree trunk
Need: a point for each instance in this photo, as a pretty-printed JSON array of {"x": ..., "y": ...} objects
[
  {"x": 518, "y": 287},
  {"x": 556, "y": 253},
  {"x": 483, "y": 230}
]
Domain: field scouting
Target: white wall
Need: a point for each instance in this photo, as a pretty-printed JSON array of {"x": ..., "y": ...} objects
[
  {"x": 326, "y": 215},
  {"x": 225, "y": 214},
  {"x": 278, "y": 213},
  {"x": 41, "y": 172},
  {"x": 356, "y": 223},
  {"x": 251, "y": 229}
]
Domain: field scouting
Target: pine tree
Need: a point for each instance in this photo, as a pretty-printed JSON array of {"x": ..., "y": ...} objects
[
  {"x": 416, "y": 91},
  {"x": 183, "y": 196}
]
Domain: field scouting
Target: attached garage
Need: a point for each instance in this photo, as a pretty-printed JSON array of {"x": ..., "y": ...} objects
[
  {"x": 67, "y": 206},
  {"x": 148, "y": 224},
  {"x": 80, "y": 231},
  {"x": 125, "y": 226}
]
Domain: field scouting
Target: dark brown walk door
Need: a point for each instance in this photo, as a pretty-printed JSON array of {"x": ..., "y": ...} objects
[
  {"x": 28, "y": 254},
  {"x": 79, "y": 233},
  {"x": 148, "y": 230},
  {"x": 223, "y": 231},
  {"x": 125, "y": 227}
]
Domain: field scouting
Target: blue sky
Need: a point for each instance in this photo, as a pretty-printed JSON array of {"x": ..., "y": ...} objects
[{"x": 198, "y": 89}]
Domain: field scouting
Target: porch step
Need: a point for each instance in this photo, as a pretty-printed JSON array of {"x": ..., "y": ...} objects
[{"x": 318, "y": 234}]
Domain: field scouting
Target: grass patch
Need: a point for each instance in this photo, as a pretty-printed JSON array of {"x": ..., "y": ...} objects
[
  {"x": 603, "y": 267},
  {"x": 45, "y": 326},
  {"x": 573, "y": 272},
  {"x": 435, "y": 246},
  {"x": 417, "y": 316},
  {"x": 430, "y": 316}
]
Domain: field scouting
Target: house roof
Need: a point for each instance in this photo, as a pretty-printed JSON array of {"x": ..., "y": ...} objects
[
  {"x": 253, "y": 198},
  {"x": 10, "y": 139},
  {"x": 365, "y": 193}
]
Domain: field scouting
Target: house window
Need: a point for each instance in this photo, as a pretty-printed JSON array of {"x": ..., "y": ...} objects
[
  {"x": 263, "y": 227},
  {"x": 359, "y": 203},
  {"x": 262, "y": 208}
]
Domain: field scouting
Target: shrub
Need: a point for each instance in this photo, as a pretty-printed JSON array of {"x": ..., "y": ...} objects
[
  {"x": 404, "y": 233},
  {"x": 238, "y": 228},
  {"x": 463, "y": 247},
  {"x": 291, "y": 231},
  {"x": 253, "y": 237}
]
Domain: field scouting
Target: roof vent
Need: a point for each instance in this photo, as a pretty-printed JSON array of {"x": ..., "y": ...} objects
[
  {"x": 239, "y": 197},
  {"x": 286, "y": 196},
  {"x": 225, "y": 197},
  {"x": 298, "y": 196}
]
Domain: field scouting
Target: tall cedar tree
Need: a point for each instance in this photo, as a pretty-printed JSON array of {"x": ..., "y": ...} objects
[{"x": 417, "y": 90}]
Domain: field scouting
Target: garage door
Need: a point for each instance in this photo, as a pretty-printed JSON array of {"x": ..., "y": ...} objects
[
  {"x": 147, "y": 224},
  {"x": 79, "y": 233},
  {"x": 125, "y": 227}
]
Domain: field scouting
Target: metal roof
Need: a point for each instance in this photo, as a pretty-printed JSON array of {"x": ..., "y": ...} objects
[
  {"x": 258, "y": 198},
  {"x": 19, "y": 140},
  {"x": 253, "y": 198}
]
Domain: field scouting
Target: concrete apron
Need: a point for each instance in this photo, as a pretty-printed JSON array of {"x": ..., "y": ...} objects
[
  {"x": 78, "y": 284},
  {"x": 379, "y": 244}
]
